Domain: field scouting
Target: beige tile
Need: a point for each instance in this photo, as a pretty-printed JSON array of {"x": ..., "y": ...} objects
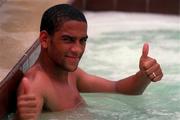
[{"x": 19, "y": 26}]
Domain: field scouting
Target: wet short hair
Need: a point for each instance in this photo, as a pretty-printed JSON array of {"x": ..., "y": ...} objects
[{"x": 54, "y": 17}]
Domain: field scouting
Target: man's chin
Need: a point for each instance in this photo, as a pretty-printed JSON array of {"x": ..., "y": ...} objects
[{"x": 72, "y": 68}]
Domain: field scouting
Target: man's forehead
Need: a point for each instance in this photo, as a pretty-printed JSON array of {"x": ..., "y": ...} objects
[
  {"x": 71, "y": 33},
  {"x": 72, "y": 22}
]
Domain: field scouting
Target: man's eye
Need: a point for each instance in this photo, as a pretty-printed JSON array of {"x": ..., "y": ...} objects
[
  {"x": 83, "y": 41},
  {"x": 68, "y": 39}
]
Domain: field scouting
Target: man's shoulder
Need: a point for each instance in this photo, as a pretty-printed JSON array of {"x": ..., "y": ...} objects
[
  {"x": 37, "y": 78},
  {"x": 79, "y": 73},
  {"x": 34, "y": 73}
]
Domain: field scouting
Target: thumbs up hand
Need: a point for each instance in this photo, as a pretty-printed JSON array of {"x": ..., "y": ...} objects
[
  {"x": 26, "y": 86},
  {"x": 149, "y": 66},
  {"x": 26, "y": 102}
]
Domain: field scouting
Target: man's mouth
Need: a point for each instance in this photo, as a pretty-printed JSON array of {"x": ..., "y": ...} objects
[{"x": 73, "y": 59}]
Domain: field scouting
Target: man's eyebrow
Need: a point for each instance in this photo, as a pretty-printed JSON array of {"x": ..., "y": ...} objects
[{"x": 67, "y": 36}]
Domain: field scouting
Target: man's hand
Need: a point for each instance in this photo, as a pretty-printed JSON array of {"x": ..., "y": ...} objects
[
  {"x": 27, "y": 102},
  {"x": 149, "y": 66}
]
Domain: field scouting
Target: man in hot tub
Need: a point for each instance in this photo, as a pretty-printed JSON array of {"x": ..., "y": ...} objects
[{"x": 55, "y": 81}]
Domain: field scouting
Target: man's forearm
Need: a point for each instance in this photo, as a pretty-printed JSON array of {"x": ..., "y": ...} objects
[
  {"x": 133, "y": 85},
  {"x": 141, "y": 81}
]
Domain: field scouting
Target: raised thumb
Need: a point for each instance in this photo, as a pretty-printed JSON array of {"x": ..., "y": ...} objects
[
  {"x": 26, "y": 85},
  {"x": 145, "y": 50}
]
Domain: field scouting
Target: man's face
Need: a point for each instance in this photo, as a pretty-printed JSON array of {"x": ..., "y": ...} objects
[{"x": 67, "y": 45}]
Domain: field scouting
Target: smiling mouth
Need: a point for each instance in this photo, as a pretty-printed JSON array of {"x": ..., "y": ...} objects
[{"x": 73, "y": 58}]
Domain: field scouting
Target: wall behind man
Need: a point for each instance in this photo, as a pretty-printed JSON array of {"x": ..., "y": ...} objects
[{"x": 149, "y": 6}]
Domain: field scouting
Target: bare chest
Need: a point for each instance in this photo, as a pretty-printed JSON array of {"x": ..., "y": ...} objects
[{"x": 63, "y": 98}]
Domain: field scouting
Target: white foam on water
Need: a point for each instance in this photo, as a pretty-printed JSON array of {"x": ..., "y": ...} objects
[{"x": 110, "y": 21}]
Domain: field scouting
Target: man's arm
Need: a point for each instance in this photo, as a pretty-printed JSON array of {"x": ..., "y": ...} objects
[{"x": 133, "y": 85}]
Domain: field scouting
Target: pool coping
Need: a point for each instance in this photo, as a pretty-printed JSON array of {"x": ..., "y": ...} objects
[{"x": 9, "y": 85}]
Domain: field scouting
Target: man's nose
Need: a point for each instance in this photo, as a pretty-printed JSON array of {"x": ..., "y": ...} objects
[{"x": 77, "y": 48}]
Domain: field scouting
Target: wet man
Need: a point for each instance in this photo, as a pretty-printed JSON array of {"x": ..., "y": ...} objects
[{"x": 55, "y": 81}]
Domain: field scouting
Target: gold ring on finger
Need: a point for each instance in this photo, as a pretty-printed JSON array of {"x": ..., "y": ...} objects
[{"x": 154, "y": 74}]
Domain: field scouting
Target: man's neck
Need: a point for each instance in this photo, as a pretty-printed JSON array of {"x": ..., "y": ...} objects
[{"x": 51, "y": 69}]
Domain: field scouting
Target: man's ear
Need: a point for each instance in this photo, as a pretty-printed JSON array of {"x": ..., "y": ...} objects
[{"x": 44, "y": 38}]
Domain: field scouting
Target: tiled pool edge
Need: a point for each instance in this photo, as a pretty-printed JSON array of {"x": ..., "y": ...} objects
[{"x": 9, "y": 84}]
